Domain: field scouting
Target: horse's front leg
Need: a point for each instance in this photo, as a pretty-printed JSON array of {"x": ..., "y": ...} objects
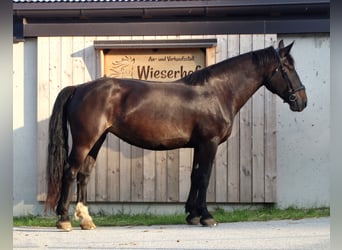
[
  {"x": 191, "y": 204},
  {"x": 196, "y": 204},
  {"x": 206, "y": 218}
]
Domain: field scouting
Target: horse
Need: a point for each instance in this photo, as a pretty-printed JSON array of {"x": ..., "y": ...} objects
[{"x": 196, "y": 111}]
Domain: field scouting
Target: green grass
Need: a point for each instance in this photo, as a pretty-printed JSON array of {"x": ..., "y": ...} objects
[{"x": 264, "y": 214}]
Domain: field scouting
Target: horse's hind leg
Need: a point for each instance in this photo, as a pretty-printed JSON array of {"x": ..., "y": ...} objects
[
  {"x": 72, "y": 168},
  {"x": 81, "y": 210}
]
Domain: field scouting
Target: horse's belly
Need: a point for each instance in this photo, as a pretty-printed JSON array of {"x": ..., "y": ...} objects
[
  {"x": 154, "y": 143},
  {"x": 154, "y": 136}
]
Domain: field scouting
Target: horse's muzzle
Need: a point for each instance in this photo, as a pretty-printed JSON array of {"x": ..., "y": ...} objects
[{"x": 298, "y": 102}]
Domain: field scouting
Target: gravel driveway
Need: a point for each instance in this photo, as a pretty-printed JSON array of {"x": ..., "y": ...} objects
[{"x": 310, "y": 234}]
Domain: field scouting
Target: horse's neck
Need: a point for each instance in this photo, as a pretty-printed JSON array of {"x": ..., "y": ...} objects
[{"x": 241, "y": 84}]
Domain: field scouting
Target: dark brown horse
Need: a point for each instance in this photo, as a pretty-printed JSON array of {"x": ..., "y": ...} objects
[{"x": 196, "y": 111}]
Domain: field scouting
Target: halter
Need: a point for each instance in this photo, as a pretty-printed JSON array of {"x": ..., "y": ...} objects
[{"x": 291, "y": 91}]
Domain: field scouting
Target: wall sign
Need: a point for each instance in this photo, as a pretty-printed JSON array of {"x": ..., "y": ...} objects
[{"x": 153, "y": 64}]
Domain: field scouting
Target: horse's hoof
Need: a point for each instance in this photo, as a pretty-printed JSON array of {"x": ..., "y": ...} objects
[
  {"x": 64, "y": 225},
  {"x": 209, "y": 222},
  {"x": 88, "y": 225},
  {"x": 192, "y": 220}
]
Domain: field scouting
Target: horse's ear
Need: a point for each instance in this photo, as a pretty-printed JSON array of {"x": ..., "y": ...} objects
[
  {"x": 281, "y": 44},
  {"x": 288, "y": 47},
  {"x": 285, "y": 51}
]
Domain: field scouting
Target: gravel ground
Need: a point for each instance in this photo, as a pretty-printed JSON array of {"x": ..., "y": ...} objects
[{"x": 308, "y": 234}]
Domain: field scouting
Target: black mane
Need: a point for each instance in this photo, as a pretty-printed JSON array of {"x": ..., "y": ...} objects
[
  {"x": 199, "y": 77},
  {"x": 264, "y": 57},
  {"x": 260, "y": 58}
]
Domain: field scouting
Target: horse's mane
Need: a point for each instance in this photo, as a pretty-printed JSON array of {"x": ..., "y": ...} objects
[
  {"x": 268, "y": 56},
  {"x": 262, "y": 57},
  {"x": 199, "y": 77}
]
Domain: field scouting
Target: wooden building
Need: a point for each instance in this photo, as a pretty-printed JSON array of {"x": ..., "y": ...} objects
[{"x": 77, "y": 41}]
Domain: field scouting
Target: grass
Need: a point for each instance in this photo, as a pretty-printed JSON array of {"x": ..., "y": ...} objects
[{"x": 264, "y": 214}]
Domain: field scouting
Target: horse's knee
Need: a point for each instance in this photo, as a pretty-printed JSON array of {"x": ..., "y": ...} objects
[
  {"x": 84, "y": 173},
  {"x": 70, "y": 174},
  {"x": 82, "y": 178}
]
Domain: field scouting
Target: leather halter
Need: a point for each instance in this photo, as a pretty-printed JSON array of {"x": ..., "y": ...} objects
[{"x": 291, "y": 97}]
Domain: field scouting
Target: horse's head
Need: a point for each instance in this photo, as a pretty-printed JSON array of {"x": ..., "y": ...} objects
[{"x": 284, "y": 80}]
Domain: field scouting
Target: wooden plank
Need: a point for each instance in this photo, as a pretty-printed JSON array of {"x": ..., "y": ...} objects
[
  {"x": 90, "y": 72},
  {"x": 137, "y": 174},
  {"x": 173, "y": 175},
  {"x": 101, "y": 59},
  {"x": 234, "y": 139},
  {"x": 100, "y": 174},
  {"x": 125, "y": 171},
  {"x": 43, "y": 113},
  {"x": 77, "y": 60},
  {"x": 270, "y": 149},
  {"x": 66, "y": 61},
  {"x": 221, "y": 169},
  {"x": 258, "y": 134},
  {"x": 246, "y": 136},
  {"x": 211, "y": 56},
  {"x": 270, "y": 138},
  {"x": 161, "y": 176},
  {"x": 185, "y": 166},
  {"x": 54, "y": 68},
  {"x": 149, "y": 181},
  {"x": 113, "y": 168},
  {"x": 221, "y": 188}
]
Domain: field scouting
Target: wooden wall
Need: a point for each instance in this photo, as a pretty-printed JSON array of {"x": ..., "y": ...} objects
[{"x": 245, "y": 165}]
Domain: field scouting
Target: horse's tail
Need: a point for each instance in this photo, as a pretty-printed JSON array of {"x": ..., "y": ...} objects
[{"x": 58, "y": 148}]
